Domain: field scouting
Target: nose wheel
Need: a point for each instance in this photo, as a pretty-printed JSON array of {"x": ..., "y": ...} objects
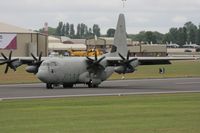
[{"x": 49, "y": 86}]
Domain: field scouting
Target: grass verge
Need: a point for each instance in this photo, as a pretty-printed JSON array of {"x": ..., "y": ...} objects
[
  {"x": 164, "y": 113},
  {"x": 175, "y": 70}
]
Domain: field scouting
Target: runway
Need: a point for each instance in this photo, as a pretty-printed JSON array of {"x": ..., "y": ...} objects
[{"x": 115, "y": 87}]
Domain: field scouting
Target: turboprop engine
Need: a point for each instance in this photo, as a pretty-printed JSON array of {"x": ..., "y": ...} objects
[
  {"x": 126, "y": 65},
  {"x": 127, "y": 69}
]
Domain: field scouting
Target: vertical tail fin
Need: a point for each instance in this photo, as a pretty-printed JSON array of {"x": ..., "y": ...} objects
[{"x": 120, "y": 42}]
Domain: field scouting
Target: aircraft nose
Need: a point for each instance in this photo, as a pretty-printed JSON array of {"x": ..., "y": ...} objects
[{"x": 42, "y": 76}]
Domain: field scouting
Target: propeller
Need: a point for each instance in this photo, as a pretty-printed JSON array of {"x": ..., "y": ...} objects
[
  {"x": 94, "y": 64},
  {"x": 9, "y": 61},
  {"x": 37, "y": 62},
  {"x": 126, "y": 62}
]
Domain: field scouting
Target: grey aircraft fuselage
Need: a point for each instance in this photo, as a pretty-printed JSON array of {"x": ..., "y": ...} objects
[{"x": 69, "y": 70}]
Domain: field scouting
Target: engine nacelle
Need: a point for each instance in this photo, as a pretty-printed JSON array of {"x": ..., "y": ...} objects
[
  {"x": 16, "y": 64},
  {"x": 32, "y": 69},
  {"x": 121, "y": 69}
]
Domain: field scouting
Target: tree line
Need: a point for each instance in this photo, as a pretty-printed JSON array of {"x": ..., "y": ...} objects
[
  {"x": 82, "y": 31},
  {"x": 189, "y": 33}
]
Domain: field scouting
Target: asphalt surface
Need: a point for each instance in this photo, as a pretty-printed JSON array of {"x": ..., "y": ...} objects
[{"x": 116, "y": 87}]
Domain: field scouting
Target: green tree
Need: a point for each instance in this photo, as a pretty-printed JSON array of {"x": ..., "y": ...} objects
[
  {"x": 86, "y": 31},
  {"x": 82, "y": 31},
  {"x": 59, "y": 29},
  {"x": 181, "y": 36},
  {"x": 173, "y": 33},
  {"x": 158, "y": 36},
  {"x": 71, "y": 30},
  {"x": 78, "y": 32},
  {"x": 198, "y": 36},
  {"x": 90, "y": 34},
  {"x": 96, "y": 30},
  {"x": 150, "y": 37},
  {"x": 67, "y": 29},
  {"x": 191, "y": 31},
  {"x": 110, "y": 32},
  {"x": 51, "y": 31},
  {"x": 63, "y": 30},
  {"x": 167, "y": 38}
]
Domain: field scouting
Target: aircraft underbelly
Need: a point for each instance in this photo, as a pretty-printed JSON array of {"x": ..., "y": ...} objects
[{"x": 72, "y": 72}]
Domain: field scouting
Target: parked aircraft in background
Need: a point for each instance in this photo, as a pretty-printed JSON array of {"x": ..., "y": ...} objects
[
  {"x": 191, "y": 46},
  {"x": 173, "y": 45},
  {"x": 68, "y": 71}
]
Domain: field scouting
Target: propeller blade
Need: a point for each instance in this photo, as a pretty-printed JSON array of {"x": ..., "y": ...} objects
[
  {"x": 121, "y": 56},
  {"x": 95, "y": 52},
  {"x": 2, "y": 63},
  {"x": 126, "y": 62},
  {"x": 13, "y": 60},
  {"x": 89, "y": 59},
  {"x": 128, "y": 55},
  {"x": 94, "y": 64},
  {"x": 10, "y": 55},
  {"x": 101, "y": 59},
  {"x": 132, "y": 60},
  {"x": 9, "y": 62},
  {"x": 33, "y": 57},
  {"x": 4, "y": 56},
  {"x": 6, "y": 70},
  {"x": 40, "y": 56}
]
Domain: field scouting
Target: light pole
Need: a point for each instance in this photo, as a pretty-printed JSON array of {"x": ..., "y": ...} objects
[{"x": 123, "y": 3}]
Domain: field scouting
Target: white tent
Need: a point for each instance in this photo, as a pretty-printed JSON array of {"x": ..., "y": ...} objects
[{"x": 61, "y": 46}]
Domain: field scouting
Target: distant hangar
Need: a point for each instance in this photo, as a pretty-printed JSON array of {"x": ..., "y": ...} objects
[{"x": 21, "y": 41}]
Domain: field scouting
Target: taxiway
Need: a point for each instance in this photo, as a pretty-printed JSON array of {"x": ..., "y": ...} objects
[{"x": 115, "y": 87}]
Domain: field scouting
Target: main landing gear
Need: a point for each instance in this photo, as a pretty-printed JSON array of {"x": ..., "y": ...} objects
[
  {"x": 67, "y": 85},
  {"x": 91, "y": 85},
  {"x": 51, "y": 86}
]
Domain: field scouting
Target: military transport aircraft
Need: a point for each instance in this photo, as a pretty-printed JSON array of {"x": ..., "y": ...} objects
[{"x": 68, "y": 71}]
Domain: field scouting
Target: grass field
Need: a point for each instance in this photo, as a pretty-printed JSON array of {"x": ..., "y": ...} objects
[
  {"x": 176, "y": 69},
  {"x": 165, "y": 113}
]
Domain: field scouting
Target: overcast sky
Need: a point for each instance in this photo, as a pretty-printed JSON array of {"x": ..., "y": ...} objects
[{"x": 154, "y": 15}]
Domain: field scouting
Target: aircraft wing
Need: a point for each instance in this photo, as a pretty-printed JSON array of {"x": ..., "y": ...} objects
[
  {"x": 14, "y": 62},
  {"x": 24, "y": 60},
  {"x": 29, "y": 60},
  {"x": 115, "y": 61}
]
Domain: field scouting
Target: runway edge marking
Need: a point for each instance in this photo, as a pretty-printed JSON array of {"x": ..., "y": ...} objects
[{"x": 92, "y": 95}]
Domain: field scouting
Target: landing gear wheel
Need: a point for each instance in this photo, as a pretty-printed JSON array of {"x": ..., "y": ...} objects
[
  {"x": 49, "y": 86},
  {"x": 67, "y": 85},
  {"x": 91, "y": 85}
]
